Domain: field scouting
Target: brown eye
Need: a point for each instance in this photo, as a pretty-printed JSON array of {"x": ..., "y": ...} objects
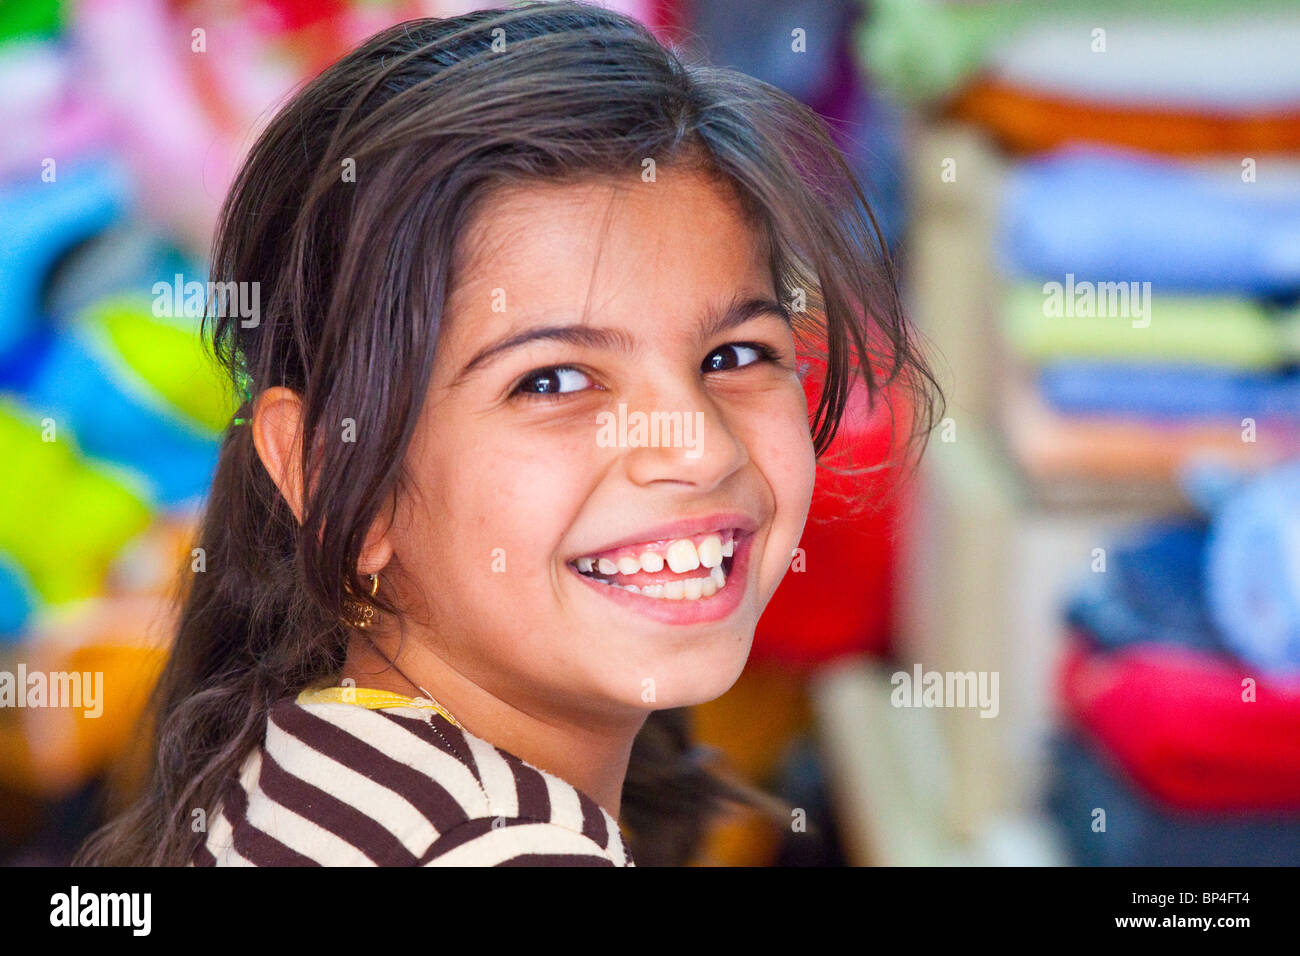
[
  {"x": 552, "y": 381},
  {"x": 735, "y": 355}
]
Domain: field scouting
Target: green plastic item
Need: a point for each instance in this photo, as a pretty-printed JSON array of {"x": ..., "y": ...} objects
[
  {"x": 30, "y": 19},
  {"x": 168, "y": 356},
  {"x": 63, "y": 518}
]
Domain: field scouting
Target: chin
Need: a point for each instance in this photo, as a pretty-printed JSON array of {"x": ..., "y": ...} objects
[{"x": 697, "y": 678}]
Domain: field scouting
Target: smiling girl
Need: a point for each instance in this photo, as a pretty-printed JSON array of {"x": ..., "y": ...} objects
[{"x": 442, "y": 619}]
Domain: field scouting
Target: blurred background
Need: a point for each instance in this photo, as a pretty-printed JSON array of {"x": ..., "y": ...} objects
[{"x": 1095, "y": 208}]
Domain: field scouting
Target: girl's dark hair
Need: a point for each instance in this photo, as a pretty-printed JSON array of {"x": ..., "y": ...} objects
[{"x": 433, "y": 115}]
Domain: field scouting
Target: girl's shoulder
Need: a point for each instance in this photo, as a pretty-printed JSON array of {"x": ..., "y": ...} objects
[{"x": 390, "y": 782}]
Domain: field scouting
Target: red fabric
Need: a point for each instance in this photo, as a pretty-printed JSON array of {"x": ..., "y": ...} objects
[
  {"x": 842, "y": 602},
  {"x": 1176, "y": 721}
]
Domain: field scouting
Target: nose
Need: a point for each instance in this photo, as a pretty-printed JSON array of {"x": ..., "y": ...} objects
[{"x": 680, "y": 436}]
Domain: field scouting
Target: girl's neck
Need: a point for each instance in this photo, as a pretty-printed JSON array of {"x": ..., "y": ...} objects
[{"x": 590, "y": 755}]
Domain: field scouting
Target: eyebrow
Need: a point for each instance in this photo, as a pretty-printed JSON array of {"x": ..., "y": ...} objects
[{"x": 714, "y": 322}]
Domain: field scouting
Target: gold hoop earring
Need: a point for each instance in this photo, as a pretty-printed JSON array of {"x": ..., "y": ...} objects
[{"x": 359, "y": 615}]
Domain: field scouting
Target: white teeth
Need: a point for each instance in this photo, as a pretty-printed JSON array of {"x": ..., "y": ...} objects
[
  {"x": 682, "y": 556},
  {"x": 690, "y": 589},
  {"x": 710, "y": 551}
]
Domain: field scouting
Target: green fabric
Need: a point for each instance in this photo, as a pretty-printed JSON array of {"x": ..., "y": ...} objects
[
  {"x": 1234, "y": 333},
  {"x": 921, "y": 50},
  {"x": 62, "y": 518}
]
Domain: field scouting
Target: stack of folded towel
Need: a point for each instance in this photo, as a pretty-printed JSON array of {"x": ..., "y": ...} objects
[
  {"x": 1150, "y": 227},
  {"x": 1150, "y": 301},
  {"x": 1149, "y": 239}
]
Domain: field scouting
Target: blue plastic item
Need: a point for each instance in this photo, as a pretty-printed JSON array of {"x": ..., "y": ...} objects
[
  {"x": 40, "y": 222},
  {"x": 17, "y": 601},
  {"x": 83, "y": 386}
]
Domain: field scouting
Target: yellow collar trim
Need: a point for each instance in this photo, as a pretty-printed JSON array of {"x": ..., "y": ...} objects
[{"x": 371, "y": 700}]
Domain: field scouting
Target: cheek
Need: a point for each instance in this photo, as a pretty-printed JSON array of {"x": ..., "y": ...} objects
[
  {"x": 495, "y": 526},
  {"x": 782, "y": 450},
  {"x": 781, "y": 445}
]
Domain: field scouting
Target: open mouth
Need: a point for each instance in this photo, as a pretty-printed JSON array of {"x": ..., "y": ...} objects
[{"x": 693, "y": 568}]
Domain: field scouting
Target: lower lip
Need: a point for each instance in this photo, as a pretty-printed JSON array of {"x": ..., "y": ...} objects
[{"x": 699, "y": 611}]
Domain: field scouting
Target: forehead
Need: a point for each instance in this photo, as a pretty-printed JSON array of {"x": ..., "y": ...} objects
[{"x": 608, "y": 245}]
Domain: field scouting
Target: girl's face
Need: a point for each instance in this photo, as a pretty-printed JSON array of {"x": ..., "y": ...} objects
[{"x": 614, "y": 399}]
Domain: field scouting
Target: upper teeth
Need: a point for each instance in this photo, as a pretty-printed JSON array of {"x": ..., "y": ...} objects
[{"x": 681, "y": 555}]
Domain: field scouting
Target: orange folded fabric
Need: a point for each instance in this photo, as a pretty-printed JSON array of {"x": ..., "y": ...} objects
[
  {"x": 1026, "y": 122},
  {"x": 1050, "y": 446}
]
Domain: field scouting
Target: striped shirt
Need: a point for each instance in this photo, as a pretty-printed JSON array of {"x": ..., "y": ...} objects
[{"x": 390, "y": 781}]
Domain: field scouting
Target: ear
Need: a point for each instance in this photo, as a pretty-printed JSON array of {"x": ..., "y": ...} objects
[
  {"x": 377, "y": 550},
  {"x": 277, "y": 435}
]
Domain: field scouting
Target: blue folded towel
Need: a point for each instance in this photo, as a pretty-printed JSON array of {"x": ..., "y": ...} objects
[
  {"x": 1107, "y": 216},
  {"x": 1151, "y": 591},
  {"x": 1142, "y": 390}
]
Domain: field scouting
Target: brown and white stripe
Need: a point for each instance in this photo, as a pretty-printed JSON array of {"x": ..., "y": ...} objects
[{"x": 343, "y": 785}]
